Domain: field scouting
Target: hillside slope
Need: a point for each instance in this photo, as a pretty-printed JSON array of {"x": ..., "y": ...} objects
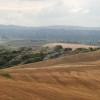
[
  {"x": 75, "y": 77},
  {"x": 69, "y": 45}
]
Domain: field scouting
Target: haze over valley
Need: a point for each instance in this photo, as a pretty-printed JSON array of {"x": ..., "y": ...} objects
[{"x": 17, "y": 35}]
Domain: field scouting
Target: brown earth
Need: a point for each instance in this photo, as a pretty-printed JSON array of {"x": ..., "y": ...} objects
[{"x": 75, "y": 77}]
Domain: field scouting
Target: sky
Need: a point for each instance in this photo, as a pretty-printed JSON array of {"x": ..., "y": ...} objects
[{"x": 50, "y": 12}]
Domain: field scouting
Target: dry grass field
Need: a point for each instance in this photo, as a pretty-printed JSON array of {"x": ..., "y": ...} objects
[
  {"x": 75, "y": 77},
  {"x": 69, "y": 45}
]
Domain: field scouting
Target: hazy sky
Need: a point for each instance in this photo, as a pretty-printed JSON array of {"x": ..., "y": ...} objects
[{"x": 50, "y": 12}]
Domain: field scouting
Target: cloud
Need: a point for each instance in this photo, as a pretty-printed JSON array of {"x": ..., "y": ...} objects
[{"x": 50, "y": 12}]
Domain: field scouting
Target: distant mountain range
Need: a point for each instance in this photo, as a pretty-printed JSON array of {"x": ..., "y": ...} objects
[{"x": 50, "y": 33}]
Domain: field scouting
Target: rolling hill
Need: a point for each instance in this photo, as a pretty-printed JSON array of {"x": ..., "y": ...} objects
[
  {"x": 69, "y": 45},
  {"x": 75, "y": 77}
]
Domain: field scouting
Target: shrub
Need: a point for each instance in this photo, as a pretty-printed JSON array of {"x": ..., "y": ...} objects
[
  {"x": 81, "y": 50},
  {"x": 20, "y": 56},
  {"x": 94, "y": 49},
  {"x": 5, "y": 74},
  {"x": 67, "y": 49},
  {"x": 58, "y": 48}
]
